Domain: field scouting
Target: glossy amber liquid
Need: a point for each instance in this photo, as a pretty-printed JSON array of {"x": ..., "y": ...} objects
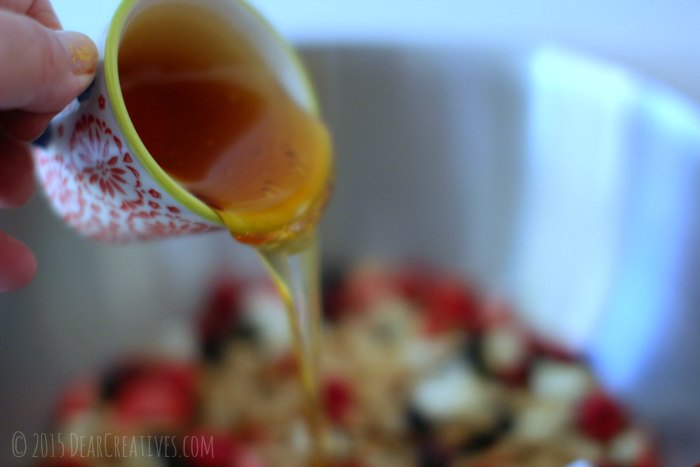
[{"x": 217, "y": 120}]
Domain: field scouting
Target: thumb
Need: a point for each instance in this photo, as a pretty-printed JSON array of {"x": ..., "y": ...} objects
[{"x": 43, "y": 70}]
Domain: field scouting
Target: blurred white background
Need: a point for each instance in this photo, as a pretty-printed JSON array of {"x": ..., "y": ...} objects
[{"x": 658, "y": 38}]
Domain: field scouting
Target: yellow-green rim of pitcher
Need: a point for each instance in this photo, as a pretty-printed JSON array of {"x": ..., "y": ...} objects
[{"x": 111, "y": 68}]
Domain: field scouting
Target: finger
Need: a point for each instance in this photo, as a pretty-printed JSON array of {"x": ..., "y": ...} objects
[
  {"x": 17, "y": 263},
  {"x": 16, "y": 173},
  {"x": 40, "y": 10},
  {"x": 25, "y": 126},
  {"x": 48, "y": 68}
]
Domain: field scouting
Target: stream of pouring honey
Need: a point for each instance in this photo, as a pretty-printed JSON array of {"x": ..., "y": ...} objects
[{"x": 218, "y": 121}]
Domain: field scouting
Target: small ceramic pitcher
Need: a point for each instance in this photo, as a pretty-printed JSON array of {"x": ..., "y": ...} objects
[{"x": 96, "y": 171}]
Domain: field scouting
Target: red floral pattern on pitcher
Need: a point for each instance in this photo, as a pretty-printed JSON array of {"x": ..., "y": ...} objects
[{"x": 101, "y": 192}]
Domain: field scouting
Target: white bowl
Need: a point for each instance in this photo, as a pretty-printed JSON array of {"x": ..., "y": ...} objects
[{"x": 566, "y": 184}]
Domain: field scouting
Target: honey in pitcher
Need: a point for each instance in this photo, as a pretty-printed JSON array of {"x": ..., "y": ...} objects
[{"x": 215, "y": 118}]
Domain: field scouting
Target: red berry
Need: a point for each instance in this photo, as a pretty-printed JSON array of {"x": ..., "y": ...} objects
[
  {"x": 451, "y": 305},
  {"x": 212, "y": 450},
  {"x": 600, "y": 417},
  {"x": 365, "y": 287},
  {"x": 78, "y": 398},
  {"x": 221, "y": 311},
  {"x": 159, "y": 395},
  {"x": 496, "y": 312},
  {"x": 650, "y": 459},
  {"x": 548, "y": 349},
  {"x": 338, "y": 399},
  {"x": 516, "y": 375},
  {"x": 415, "y": 281}
]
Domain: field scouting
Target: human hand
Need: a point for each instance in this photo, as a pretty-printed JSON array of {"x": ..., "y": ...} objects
[{"x": 42, "y": 69}]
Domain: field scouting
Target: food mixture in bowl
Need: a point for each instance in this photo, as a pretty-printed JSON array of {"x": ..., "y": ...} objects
[{"x": 419, "y": 369}]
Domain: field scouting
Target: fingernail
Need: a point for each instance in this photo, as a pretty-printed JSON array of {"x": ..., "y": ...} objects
[{"x": 81, "y": 50}]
